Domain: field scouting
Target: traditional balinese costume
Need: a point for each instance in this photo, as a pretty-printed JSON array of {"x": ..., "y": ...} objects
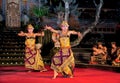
[
  {"x": 33, "y": 59},
  {"x": 63, "y": 60}
]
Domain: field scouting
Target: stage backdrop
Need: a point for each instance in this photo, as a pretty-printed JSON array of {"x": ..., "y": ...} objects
[{"x": 12, "y": 13}]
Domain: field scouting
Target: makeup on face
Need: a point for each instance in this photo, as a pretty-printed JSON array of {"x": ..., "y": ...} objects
[
  {"x": 30, "y": 29},
  {"x": 64, "y": 27}
]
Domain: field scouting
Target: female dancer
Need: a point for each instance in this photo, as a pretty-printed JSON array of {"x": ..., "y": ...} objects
[
  {"x": 63, "y": 60},
  {"x": 33, "y": 59}
]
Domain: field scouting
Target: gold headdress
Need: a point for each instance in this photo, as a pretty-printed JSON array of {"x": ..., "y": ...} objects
[
  {"x": 30, "y": 26},
  {"x": 64, "y": 23}
]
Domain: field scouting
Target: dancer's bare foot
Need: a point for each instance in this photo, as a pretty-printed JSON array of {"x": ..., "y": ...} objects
[
  {"x": 43, "y": 70},
  {"x": 71, "y": 76},
  {"x": 55, "y": 75}
]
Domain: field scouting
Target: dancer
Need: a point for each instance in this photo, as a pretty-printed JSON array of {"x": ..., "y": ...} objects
[
  {"x": 33, "y": 59},
  {"x": 63, "y": 60}
]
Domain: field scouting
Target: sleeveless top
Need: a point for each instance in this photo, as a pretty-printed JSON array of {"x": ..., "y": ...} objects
[
  {"x": 64, "y": 41},
  {"x": 30, "y": 42}
]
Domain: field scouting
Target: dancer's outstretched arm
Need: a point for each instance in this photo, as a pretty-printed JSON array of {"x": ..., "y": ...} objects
[
  {"x": 75, "y": 33},
  {"x": 21, "y": 33},
  {"x": 51, "y": 29},
  {"x": 39, "y": 34}
]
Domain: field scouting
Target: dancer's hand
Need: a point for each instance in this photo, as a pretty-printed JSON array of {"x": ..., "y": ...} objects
[
  {"x": 47, "y": 27},
  {"x": 21, "y": 32}
]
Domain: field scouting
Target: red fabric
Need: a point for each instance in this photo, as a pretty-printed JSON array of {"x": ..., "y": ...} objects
[{"x": 81, "y": 75}]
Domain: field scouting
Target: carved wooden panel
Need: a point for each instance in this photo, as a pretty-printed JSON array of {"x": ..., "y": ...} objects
[{"x": 12, "y": 13}]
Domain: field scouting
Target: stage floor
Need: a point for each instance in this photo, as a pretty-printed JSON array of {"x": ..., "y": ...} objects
[{"x": 19, "y": 74}]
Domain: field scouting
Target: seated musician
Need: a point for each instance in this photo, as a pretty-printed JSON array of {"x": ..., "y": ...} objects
[
  {"x": 99, "y": 51},
  {"x": 104, "y": 49}
]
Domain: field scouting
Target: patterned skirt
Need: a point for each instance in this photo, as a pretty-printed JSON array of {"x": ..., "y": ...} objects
[
  {"x": 63, "y": 62},
  {"x": 33, "y": 59}
]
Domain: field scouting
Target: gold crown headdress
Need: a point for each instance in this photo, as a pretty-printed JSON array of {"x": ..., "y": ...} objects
[
  {"x": 30, "y": 26},
  {"x": 64, "y": 23}
]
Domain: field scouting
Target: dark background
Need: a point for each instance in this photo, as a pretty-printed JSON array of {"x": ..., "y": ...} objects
[{"x": 107, "y": 3}]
